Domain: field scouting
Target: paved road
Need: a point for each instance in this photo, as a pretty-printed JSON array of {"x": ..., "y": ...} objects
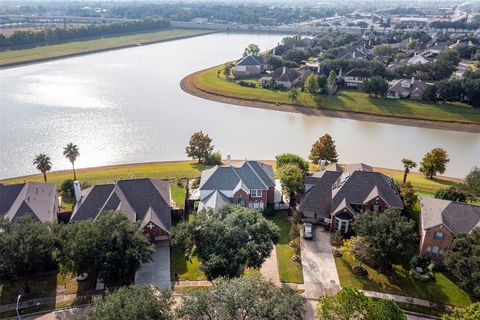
[
  {"x": 319, "y": 271},
  {"x": 157, "y": 272}
]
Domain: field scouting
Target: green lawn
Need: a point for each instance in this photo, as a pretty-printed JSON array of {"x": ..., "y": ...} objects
[
  {"x": 178, "y": 193},
  {"x": 441, "y": 290},
  {"x": 354, "y": 101},
  {"x": 188, "y": 270},
  {"x": 288, "y": 270},
  {"x": 79, "y": 46}
]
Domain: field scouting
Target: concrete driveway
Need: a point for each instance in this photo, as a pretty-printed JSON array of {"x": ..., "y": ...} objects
[
  {"x": 157, "y": 272},
  {"x": 319, "y": 271}
]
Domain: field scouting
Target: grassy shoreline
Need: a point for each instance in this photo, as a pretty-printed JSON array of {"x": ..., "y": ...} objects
[
  {"x": 13, "y": 58},
  {"x": 210, "y": 84}
]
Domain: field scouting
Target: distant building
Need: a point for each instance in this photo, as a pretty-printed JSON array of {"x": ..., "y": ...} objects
[
  {"x": 441, "y": 221},
  {"x": 406, "y": 88},
  {"x": 249, "y": 66},
  {"x": 282, "y": 77},
  {"x": 355, "y": 77},
  {"x": 35, "y": 199}
]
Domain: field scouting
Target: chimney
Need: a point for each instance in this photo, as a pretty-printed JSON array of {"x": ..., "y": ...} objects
[
  {"x": 284, "y": 70},
  {"x": 413, "y": 79},
  {"x": 76, "y": 189},
  {"x": 322, "y": 165},
  {"x": 353, "y": 56},
  {"x": 318, "y": 69},
  {"x": 229, "y": 160},
  {"x": 273, "y": 53}
]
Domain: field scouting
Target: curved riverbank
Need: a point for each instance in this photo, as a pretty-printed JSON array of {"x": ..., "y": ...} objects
[
  {"x": 82, "y": 47},
  {"x": 189, "y": 84}
]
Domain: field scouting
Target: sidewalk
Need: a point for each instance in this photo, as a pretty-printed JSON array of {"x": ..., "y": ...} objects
[
  {"x": 269, "y": 268},
  {"x": 405, "y": 299}
]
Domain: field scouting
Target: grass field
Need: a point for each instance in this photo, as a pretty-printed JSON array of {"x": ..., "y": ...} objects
[
  {"x": 186, "y": 269},
  {"x": 441, "y": 290},
  {"x": 352, "y": 101},
  {"x": 79, "y": 46},
  {"x": 288, "y": 270}
]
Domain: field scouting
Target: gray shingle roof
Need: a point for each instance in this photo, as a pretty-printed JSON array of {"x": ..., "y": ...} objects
[
  {"x": 250, "y": 61},
  {"x": 457, "y": 216},
  {"x": 285, "y": 74},
  {"x": 358, "y": 72},
  {"x": 253, "y": 174},
  {"x": 319, "y": 198},
  {"x": 214, "y": 200},
  {"x": 33, "y": 198},
  {"x": 136, "y": 197}
]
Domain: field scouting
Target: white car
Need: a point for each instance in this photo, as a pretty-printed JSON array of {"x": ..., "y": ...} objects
[{"x": 307, "y": 231}]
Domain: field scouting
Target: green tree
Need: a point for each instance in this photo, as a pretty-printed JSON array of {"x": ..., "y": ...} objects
[
  {"x": 472, "y": 312},
  {"x": 291, "y": 177},
  {"x": 26, "y": 248},
  {"x": 200, "y": 147},
  {"x": 293, "y": 94},
  {"x": 463, "y": 261},
  {"x": 383, "y": 50},
  {"x": 376, "y": 86},
  {"x": 134, "y": 302},
  {"x": 407, "y": 166},
  {"x": 322, "y": 82},
  {"x": 248, "y": 297},
  {"x": 311, "y": 84},
  {"x": 67, "y": 191},
  {"x": 434, "y": 162},
  {"x": 362, "y": 24},
  {"x": 408, "y": 194},
  {"x": 451, "y": 193},
  {"x": 251, "y": 50},
  {"x": 324, "y": 149},
  {"x": 472, "y": 182},
  {"x": 430, "y": 93},
  {"x": 228, "y": 240},
  {"x": 350, "y": 303},
  {"x": 290, "y": 158},
  {"x": 43, "y": 164},
  {"x": 358, "y": 250},
  {"x": 412, "y": 44},
  {"x": 71, "y": 152},
  {"x": 386, "y": 233},
  {"x": 332, "y": 78}
]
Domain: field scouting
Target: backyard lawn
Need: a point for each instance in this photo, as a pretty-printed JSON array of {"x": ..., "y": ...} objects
[
  {"x": 178, "y": 192},
  {"x": 79, "y": 46},
  {"x": 441, "y": 290},
  {"x": 347, "y": 100},
  {"x": 289, "y": 271},
  {"x": 187, "y": 270}
]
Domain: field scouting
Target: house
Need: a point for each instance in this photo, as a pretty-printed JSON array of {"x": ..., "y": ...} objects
[
  {"x": 285, "y": 77},
  {"x": 249, "y": 184},
  {"x": 356, "y": 53},
  {"x": 406, "y": 88},
  {"x": 441, "y": 221},
  {"x": 249, "y": 66},
  {"x": 35, "y": 199},
  {"x": 355, "y": 77},
  {"x": 417, "y": 58},
  {"x": 335, "y": 198},
  {"x": 144, "y": 200}
]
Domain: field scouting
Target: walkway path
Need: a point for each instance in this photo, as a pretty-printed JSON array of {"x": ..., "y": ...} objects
[
  {"x": 405, "y": 299},
  {"x": 269, "y": 268},
  {"x": 319, "y": 271}
]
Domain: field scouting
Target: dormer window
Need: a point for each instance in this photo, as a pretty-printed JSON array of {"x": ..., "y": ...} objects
[{"x": 255, "y": 193}]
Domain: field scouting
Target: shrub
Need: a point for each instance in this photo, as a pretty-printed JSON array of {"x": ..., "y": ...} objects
[
  {"x": 214, "y": 158},
  {"x": 294, "y": 232},
  {"x": 336, "y": 239},
  {"x": 425, "y": 267},
  {"x": 337, "y": 253},
  {"x": 296, "y": 258},
  {"x": 359, "y": 270},
  {"x": 67, "y": 191},
  {"x": 248, "y": 84},
  {"x": 294, "y": 243}
]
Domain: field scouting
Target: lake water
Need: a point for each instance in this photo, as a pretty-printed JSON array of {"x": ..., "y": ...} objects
[{"x": 127, "y": 106}]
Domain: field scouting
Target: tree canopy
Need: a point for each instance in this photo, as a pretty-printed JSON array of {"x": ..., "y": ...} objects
[
  {"x": 290, "y": 158},
  {"x": 199, "y": 147},
  {"x": 451, "y": 193},
  {"x": 350, "y": 303},
  {"x": 228, "y": 240},
  {"x": 386, "y": 233},
  {"x": 251, "y": 50},
  {"x": 434, "y": 162},
  {"x": 472, "y": 182},
  {"x": 135, "y": 302},
  {"x": 311, "y": 84},
  {"x": 324, "y": 149},
  {"x": 43, "y": 164},
  {"x": 249, "y": 297},
  {"x": 472, "y": 312}
]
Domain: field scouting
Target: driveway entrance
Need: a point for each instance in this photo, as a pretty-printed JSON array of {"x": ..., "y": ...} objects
[{"x": 157, "y": 272}]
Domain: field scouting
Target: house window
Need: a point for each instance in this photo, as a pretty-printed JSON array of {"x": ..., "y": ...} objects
[
  {"x": 376, "y": 208},
  {"x": 240, "y": 201},
  {"x": 256, "y": 193},
  {"x": 435, "y": 250},
  {"x": 438, "y": 235},
  {"x": 440, "y": 252},
  {"x": 429, "y": 249}
]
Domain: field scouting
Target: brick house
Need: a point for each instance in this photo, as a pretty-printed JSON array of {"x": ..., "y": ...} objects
[
  {"x": 355, "y": 77},
  {"x": 249, "y": 184},
  {"x": 335, "y": 198},
  {"x": 35, "y": 199},
  {"x": 249, "y": 66},
  {"x": 406, "y": 88},
  {"x": 440, "y": 222},
  {"x": 144, "y": 200}
]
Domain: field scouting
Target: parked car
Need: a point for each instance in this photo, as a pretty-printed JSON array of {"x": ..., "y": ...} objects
[{"x": 307, "y": 231}]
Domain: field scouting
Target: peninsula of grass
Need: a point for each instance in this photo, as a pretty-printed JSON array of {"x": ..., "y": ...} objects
[
  {"x": 76, "y": 47},
  {"x": 213, "y": 81}
]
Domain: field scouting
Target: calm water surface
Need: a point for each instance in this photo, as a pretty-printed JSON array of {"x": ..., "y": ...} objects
[{"x": 127, "y": 106}]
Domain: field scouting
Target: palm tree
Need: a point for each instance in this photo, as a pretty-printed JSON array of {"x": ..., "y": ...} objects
[
  {"x": 71, "y": 153},
  {"x": 407, "y": 164},
  {"x": 43, "y": 164}
]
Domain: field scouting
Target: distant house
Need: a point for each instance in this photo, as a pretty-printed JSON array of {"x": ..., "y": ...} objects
[
  {"x": 400, "y": 45},
  {"x": 356, "y": 53},
  {"x": 282, "y": 77},
  {"x": 406, "y": 88},
  {"x": 336, "y": 198},
  {"x": 143, "y": 200},
  {"x": 35, "y": 199},
  {"x": 249, "y": 66},
  {"x": 355, "y": 77},
  {"x": 441, "y": 221},
  {"x": 438, "y": 47},
  {"x": 417, "y": 58},
  {"x": 250, "y": 184}
]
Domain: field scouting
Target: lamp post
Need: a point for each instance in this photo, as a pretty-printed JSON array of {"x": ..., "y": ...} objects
[{"x": 18, "y": 301}]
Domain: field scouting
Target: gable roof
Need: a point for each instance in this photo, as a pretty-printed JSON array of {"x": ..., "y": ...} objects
[
  {"x": 38, "y": 200},
  {"x": 138, "y": 198},
  {"x": 250, "y": 61},
  {"x": 214, "y": 200},
  {"x": 285, "y": 74},
  {"x": 459, "y": 217},
  {"x": 252, "y": 174},
  {"x": 358, "y": 72},
  {"x": 407, "y": 84},
  {"x": 318, "y": 197}
]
